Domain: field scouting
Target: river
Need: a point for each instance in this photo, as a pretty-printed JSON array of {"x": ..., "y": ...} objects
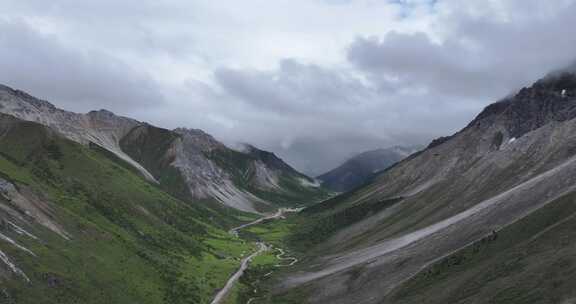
[{"x": 221, "y": 295}]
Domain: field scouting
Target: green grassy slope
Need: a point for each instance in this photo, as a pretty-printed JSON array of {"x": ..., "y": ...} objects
[
  {"x": 317, "y": 223},
  {"x": 130, "y": 241},
  {"x": 149, "y": 146}
]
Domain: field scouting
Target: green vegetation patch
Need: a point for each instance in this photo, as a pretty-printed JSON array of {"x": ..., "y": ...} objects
[{"x": 313, "y": 228}]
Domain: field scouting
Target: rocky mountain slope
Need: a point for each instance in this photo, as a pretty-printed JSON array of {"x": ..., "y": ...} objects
[
  {"x": 482, "y": 216},
  {"x": 77, "y": 225},
  {"x": 359, "y": 169},
  {"x": 188, "y": 163}
]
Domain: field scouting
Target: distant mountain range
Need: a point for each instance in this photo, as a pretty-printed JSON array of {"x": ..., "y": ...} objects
[{"x": 360, "y": 168}]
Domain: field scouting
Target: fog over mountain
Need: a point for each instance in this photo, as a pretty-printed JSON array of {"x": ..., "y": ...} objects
[{"x": 315, "y": 81}]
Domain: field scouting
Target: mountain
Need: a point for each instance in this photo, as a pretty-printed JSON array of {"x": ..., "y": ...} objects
[
  {"x": 78, "y": 224},
  {"x": 188, "y": 163},
  {"x": 98, "y": 208},
  {"x": 486, "y": 215},
  {"x": 360, "y": 168}
]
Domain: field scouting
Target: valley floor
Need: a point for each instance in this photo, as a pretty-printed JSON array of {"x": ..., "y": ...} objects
[{"x": 268, "y": 234}]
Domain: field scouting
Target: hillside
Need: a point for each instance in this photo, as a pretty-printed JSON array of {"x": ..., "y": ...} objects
[
  {"x": 187, "y": 163},
  {"x": 79, "y": 227},
  {"x": 359, "y": 169},
  {"x": 466, "y": 216}
]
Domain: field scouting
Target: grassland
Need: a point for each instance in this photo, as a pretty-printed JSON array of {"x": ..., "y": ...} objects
[{"x": 256, "y": 281}]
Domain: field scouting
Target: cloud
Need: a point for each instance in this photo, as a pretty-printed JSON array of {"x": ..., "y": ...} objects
[
  {"x": 296, "y": 88},
  {"x": 315, "y": 81},
  {"x": 316, "y": 116},
  {"x": 483, "y": 51},
  {"x": 78, "y": 80},
  {"x": 405, "y": 87}
]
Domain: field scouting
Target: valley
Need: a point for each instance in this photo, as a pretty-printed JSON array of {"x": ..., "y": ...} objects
[
  {"x": 287, "y": 152},
  {"x": 194, "y": 221},
  {"x": 262, "y": 247},
  {"x": 79, "y": 223}
]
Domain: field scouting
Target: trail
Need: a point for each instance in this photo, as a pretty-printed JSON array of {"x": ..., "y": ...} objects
[
  {"x": 221, "y": 295},
  {"x": 278, "y": 214}
]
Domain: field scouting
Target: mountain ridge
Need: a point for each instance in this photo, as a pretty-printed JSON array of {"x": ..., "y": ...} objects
[
  {"x": 358, "y": 169},
  {"x": 185, "y": 150},
  {"x": 79, "y": 225},
  {"x": 500, "y": 168}
]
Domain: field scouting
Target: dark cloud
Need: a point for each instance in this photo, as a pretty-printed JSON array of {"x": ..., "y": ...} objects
[{"x": 78, "y": 80}]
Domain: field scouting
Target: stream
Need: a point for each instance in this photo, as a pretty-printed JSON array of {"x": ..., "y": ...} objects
[{"x": 262, "y": 247}]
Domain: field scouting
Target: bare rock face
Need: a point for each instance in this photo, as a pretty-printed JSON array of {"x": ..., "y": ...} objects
[
  {"x": 235, "y": 178},
  {"x": 517, "y": 156},
  {"x": 205, "y": 179},
  {"x": 199, "y": 140},
  {"x": 102, "y": 127}
]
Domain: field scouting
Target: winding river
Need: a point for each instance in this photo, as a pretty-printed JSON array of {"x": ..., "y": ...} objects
[{"x": 262, "y": 247}]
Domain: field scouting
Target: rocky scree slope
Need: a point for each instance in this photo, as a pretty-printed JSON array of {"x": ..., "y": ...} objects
[
  {"x": 359, "y": 169},
  {"x": 189, "y": 163},
  {"x": 516, "y": 159}
]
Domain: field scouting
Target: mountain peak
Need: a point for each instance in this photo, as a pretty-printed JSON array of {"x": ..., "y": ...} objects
[
  {"x": 102, "y": 112},
  {"x": 361, "y": 167},
  {"x": 552, "y": 98},
  {"x": 9, "y": 92},
  {"x": 199, "y": 138}
]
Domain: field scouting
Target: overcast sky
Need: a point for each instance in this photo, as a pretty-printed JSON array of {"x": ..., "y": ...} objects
[{"x": 312, "y": 80}]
